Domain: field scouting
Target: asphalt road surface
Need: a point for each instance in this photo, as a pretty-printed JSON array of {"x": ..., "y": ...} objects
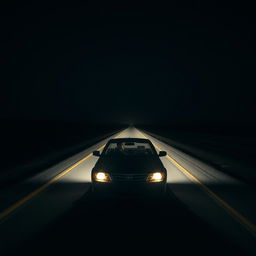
[{"x": 205, "y": 212}]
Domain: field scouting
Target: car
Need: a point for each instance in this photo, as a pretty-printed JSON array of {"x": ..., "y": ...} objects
[{"x": 129, "y": 166}]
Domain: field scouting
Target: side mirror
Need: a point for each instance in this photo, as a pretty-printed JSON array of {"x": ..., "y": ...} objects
[
  {"x": 162, "y": 153},
  {"x": 96, "y": 153}
]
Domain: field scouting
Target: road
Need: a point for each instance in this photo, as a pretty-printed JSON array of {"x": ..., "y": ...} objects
[{"x": 205, "y": 212}]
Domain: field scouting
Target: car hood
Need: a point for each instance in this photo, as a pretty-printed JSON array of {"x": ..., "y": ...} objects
[{"x": 129, "y": 164}]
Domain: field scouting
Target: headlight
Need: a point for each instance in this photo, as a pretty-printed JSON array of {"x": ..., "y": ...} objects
[
  {"x": 101, "y": 177},
  {"x": 155, "y": 177}
]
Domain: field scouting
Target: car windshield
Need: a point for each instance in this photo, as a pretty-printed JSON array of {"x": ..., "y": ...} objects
[{"x": 129, "y": 149}]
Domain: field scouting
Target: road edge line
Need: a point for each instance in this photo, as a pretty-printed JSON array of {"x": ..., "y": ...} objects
[{"x": 251, "y": 227}]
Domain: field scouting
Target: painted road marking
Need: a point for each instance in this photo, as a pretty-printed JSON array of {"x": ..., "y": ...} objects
[
  {"x": 27, "y": 198},
  {"x": 234, "y": 213}
]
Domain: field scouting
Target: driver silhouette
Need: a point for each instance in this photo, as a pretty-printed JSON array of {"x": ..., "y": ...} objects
[{"x": 120, "y": 147}]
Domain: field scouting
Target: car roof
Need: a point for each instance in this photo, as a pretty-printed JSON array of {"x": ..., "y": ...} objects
[{"x": 128, "y": 140}]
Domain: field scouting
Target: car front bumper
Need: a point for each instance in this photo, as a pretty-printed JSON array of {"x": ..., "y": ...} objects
[{"x": 129, "y": 188}]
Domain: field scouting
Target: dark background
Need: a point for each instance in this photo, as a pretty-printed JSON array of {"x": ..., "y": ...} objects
[
  {"x": 183, "y": 63},
  {"x": 73, "y": 71}
]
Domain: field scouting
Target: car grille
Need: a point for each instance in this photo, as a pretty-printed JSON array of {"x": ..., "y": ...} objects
[{"x": 129, "y": 177}]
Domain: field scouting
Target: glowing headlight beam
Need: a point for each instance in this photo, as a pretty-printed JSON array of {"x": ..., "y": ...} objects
[
  {"x": 102, "y": 177},
  {"x": 155, "y": 177}
]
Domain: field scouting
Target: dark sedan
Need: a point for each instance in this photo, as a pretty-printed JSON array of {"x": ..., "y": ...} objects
[{"x": 129, "y": 165}]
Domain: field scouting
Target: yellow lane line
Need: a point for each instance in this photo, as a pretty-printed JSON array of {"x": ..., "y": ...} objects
[
  {"x": 25, "y": 199},
  {"x": 234, "y": 213}
]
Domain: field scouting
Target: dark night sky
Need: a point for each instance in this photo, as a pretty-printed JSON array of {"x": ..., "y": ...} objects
[{"x": 94, "y": 62}]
